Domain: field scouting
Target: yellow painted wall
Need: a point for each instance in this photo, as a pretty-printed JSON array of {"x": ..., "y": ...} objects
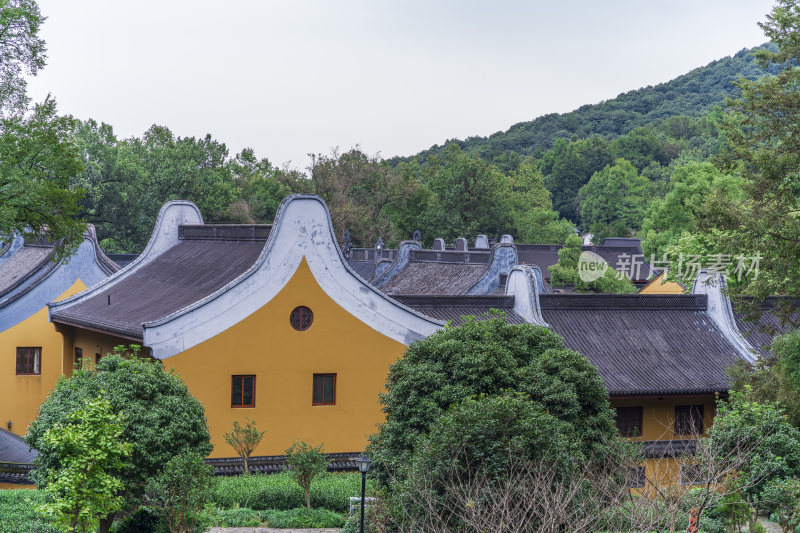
[
  {"x": 22, "y": 395},
  {"x": 284, "y": 361},
  {"x": 92, "y": 343},
  {"x": 658, "y": 286},
  {"x": 658, "y": 415},
  {"x": 13, "y": 486},
  {"x": 658, "y": 423}
]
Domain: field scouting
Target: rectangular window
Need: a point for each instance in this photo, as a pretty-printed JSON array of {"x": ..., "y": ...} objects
[
  {"x": 691, "y": 475},
  {"x": 29, "y": 361},
  {"x": 635, "y": 477},
  {"x": 324, "y": 389},
  {"x": 629, "y": 421},
  {"x": 78, "y": 355},
  {"x": 688, "y": 419},
  {"x": 243, "y": 391}
]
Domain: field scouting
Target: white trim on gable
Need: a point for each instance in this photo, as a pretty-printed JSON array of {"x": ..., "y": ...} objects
[
  {"x": 171, "y": 216},
  {"x": 721, "y": 312},
  {"x": 302, "y": 229}
]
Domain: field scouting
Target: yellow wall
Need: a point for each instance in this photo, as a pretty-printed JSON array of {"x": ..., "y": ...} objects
[
  {"x": 12, "y": 486},
  {"x": 658, "y": 423},
  {"x": 22, "y": 395},
  {"x": 658, "y": 286},
  {"x": 284, "y": 361},
  {"x": 658, "y": 415}
]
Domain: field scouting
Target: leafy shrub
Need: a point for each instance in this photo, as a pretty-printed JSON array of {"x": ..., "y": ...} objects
[
  {"x": 293, "y": 518},
  {"x": 181, "y": 490},
  {"x": 488, "y": 357},
  {"x": 280, "y": 491},
  {"x": 18, "y": 512},
  {"x": 144, "y": 520}
]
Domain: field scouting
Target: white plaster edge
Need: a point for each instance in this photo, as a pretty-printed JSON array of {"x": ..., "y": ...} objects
[
  {"x": 721, "y": 312},
  {"x": 302, "y": 228},
  {"x": 171, "y": 216},
  {"x": 522, "y": 285}
]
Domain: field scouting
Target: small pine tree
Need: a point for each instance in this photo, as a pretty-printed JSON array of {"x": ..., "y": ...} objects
[
  {"x": 305, "y": 462},
  {"x": 244, "y": 440}
]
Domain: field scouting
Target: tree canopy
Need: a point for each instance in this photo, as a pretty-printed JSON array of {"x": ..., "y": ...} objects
[
  {"x": 161, "y": 417},
  {"x": 488, "y": 357}
]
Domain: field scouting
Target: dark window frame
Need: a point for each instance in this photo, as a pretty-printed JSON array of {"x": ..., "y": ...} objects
[
  {"x": 689, "y": 420},
  {"x": 314, "y": 389},
  {"x": 636, "y": 477},
  {"x": 242, "y": 405},
  {"x": 691, "y": 474},
  {"x": 37, "y": 351},
  {"x": 301, "y": 318},
  {"x": 625, "y": 415}
]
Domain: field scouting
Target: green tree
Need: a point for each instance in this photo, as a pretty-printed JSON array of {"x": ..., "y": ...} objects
[
  {"x": 489, "y": 438},
  {"x": 91, "y": 453},
  {"x": 616, "y": 193},
  {"x": 181, "y": 490},
  {"x": 244, "y": 440},
  {"x": 531, "y": 208},
  {"x": 360, "y": 191},
  {"x": 38, "y": 165},
  {"x": 640, "y": 147},
  {"x": 22, "y": 52},
  {"x": 566, "y": 272},
  {"x": 305, "y": 462},
  {"x": 565, "y": 171},
  {"x": 783, "y": 496},
  {"x": 162, "y": 418},
  {"x": 692, "y": 189},
  {"x": 262, "y": 188},
  {"x": 761, "y": 434},
  {"x": 487, "y": 357},
  {"x": 773, "y": 378},
  {"x": 467, "y": 197},
  {"x": 762, "y": 130}
]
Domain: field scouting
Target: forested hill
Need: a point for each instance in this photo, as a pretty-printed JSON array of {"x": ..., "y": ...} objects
[{"x": 693, "y": 94}]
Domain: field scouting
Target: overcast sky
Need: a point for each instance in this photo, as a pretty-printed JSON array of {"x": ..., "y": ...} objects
[{"x": 292, "y": 77}]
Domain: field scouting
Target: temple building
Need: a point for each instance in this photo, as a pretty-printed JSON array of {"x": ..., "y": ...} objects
[
  {"x": 279, "y": 324},
  {"x": 31, "y": 350}
]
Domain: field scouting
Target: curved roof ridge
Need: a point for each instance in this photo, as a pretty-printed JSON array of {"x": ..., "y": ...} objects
[
  {"x": 163, "y": 237},
  {"x": 321, "y": 237}
]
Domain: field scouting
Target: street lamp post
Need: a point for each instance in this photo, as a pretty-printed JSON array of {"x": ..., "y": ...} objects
[{"x": 363, "y": 467}]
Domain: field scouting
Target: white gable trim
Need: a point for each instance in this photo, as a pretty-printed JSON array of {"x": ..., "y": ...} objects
[
  {"x": 171, "y": 216},
  {"x": 302, "y": 229},
  {"x": 721, "y": 312}
]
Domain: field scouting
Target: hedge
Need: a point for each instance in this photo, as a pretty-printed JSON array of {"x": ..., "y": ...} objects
[
  {"x": 18, "y": 512},
  {"x": 280, "y": 492}
]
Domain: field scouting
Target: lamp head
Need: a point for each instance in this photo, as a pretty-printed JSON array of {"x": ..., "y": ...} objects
[{"x": 363, "y": 463}]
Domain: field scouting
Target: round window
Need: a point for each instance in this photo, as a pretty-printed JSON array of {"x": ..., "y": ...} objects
[{"x": 301, "y": 318}]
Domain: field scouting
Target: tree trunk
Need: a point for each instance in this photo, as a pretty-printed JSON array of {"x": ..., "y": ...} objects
[
  {"x": 246, "y": 468},
  {"x": 308, "y": 498},
  {"x": 105, "y": 523}
]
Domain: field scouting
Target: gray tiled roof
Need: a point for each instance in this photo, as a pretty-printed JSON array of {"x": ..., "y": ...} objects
[
  {"x": 184, "y": 274},
  {"x": 424, "y": 277},
  {"x": 644, "y": 344},
  {"x": 14, "y": 450},
  {"x": 20, "y": 266},
  {"x": 453, "y": 308}
]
